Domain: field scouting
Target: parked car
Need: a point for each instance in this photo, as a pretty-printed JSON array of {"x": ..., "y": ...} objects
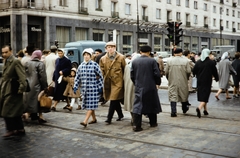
[{"x": 1, "y": 66}]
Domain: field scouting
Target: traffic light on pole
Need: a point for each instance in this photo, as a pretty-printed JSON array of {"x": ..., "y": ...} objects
[
  {"x": 170, "y": 31},
  {"x": 178, "y": 33},
  {"x": 56, "y": 43}
]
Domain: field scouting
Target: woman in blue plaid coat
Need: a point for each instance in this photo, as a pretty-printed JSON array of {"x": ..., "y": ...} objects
[{"x": 90, "y": 78}]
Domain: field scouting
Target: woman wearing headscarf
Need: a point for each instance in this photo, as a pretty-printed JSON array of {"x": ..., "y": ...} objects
[
  {"x": 36, "y": 75},
  {"x": 224, "y": 69},
  {"x": 129, "y": 88},
  {"x": 204, "y": 70}
]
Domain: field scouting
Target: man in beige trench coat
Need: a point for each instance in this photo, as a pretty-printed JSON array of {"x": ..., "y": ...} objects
[
  {"x": 112, "y": 65},
  {"x": 177, "y": 72}
]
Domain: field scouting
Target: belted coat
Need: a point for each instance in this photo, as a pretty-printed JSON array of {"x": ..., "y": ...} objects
[
  {"x": 11, "y": 96},
  {"x": 113, "y": 71}
]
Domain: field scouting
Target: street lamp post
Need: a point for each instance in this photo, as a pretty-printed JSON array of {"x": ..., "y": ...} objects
[
  {"x": 137, "y": 28},
  {"x": 220, "y": 26}
]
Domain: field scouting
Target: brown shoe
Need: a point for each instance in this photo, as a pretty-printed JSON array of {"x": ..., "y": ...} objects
[
  {"x": 69, "y": 108},
  {"x": 79, "y": 107}
]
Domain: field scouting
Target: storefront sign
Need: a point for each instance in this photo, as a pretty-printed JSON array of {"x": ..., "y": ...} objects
[
  {"x": 143, "y": 26},
  {"x": 35, "y": 29},
  {"x": 4, "y": 30}
]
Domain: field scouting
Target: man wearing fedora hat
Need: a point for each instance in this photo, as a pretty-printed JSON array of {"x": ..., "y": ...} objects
[
  {"x": 177, "y": 72},
  {"x": 112, "y": 65}
]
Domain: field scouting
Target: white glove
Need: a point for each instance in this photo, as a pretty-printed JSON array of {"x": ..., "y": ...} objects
[{"x": 60, "y": 79}]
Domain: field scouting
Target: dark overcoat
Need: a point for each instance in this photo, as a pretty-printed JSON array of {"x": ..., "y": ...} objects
[
  {"x": 145, "y": 75},
  {"x": 62, "y": 64},
  {"x": 11, "y": 102},
  {"x": 37, "y": 78},
  {"x": 205, "y": 70}
]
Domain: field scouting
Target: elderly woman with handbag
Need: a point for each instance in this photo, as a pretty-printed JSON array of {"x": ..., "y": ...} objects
[
  {"x": 90, "y": 78},
  {"x": 36, "y": 75}
]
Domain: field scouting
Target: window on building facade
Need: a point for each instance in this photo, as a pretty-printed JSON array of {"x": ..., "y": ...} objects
[
  {"x": 238, "y": 1},
  {"x": 127, "y": 9},
  {"x": 63, "y": 2},
  {"x": 169, "y": 15},
  {"x": 113, "y": 10},
  {"x": 227, "y": 11},
  {"x": 127, "y": 42},
  {"x": 169, "y": 1},
  {"x": 227, "y": 24},
  {"x": 233, "y": 24},
  {"x": 206, "y": 21},
  {"x": 63, "y": 35},
  {"x": 158, "y": 0},
  {"x": 195, "y": 19},
  {"x": 205, "y": 6},
  {"x": 81, "y": 34},
  {"x": 178, "y": 2},
  {"x": 98, "y": 4},
  {"x": 238, "y": 26},
  {"x": 158, "y": 13},
  {"x": 178, "y": 16},
  {"x": 98, "y": 36},
  {"x": 157, "y": 42},
  {"x": 214, "y": 22},
  {"x": 238, "y": 14},
  {"x": 233, "y": 13},
  {"x": 214, "y": 9},
  {"x": 187, "y": 3},
  {"x": 144, "y": 16},
  {"x": 195, "y": 5},
  {"x": 31, "y": 3}
]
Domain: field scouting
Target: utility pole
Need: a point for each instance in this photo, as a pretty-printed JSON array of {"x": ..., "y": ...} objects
[{"x": 137, "y": 28}]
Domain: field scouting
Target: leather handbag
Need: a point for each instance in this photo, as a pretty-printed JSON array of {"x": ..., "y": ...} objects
[
  {"x": 50, "y": 90},
  {"x": 44, "y": 100}
]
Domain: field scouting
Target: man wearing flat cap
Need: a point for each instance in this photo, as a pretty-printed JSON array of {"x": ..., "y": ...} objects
[
  {"x": 145, "y": 75},
  {"x": 177, "y": 72},
  {"x": 112, "y": 65}
]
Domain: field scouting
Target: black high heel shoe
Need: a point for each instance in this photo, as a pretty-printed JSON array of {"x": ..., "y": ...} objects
[
  {"x": 84, "y": 124},
  {"x": 205, "y": 112}
]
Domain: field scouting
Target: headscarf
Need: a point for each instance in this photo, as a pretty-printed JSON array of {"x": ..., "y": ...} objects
[
  {"x": 36, "y": 54},
  {"x": 224, "y": 56},
  {"x": 205, "y": 53},
  {"x": 134, "y": 56}
]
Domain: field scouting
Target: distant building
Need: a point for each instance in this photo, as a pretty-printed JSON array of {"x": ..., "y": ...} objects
[{"x": 43, "y": 22}]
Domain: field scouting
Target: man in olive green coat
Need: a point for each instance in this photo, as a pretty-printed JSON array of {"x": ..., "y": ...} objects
[{"x": 11, "y": 93}]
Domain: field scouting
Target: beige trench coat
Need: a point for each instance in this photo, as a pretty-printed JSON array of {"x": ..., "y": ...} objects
[
  {"x": 177, "y": 72},
  {"x": 113, "y": 76}
]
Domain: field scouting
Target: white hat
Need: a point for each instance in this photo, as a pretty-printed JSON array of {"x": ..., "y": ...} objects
[
  {"x": 88, "y": 50},
  {"x": 111, "y": 43}
]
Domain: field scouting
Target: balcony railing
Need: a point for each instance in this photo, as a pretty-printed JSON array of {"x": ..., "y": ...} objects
[
  {"x": 83, "y": 10},
  {"x": 233, "y": 29},
  {"x": 145, "y": 18},
  {"x": 206, "y": 26},
  {"x": 115, "y": 15},
  {"x": 188, "y": 24}
]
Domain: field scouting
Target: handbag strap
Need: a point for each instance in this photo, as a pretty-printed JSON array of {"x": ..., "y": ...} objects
[
  {"x": 110, "y": 67},
  {"x": 50, "y": 84}
]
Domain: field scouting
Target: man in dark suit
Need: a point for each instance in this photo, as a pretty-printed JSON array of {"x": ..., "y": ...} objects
[{"x": 11, "y": 93}]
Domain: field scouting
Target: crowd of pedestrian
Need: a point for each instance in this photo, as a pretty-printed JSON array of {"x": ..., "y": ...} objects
[{"x": 130, "y": 80}]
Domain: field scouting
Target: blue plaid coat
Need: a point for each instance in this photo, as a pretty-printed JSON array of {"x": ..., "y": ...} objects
[{"x": 90, "y": 79}]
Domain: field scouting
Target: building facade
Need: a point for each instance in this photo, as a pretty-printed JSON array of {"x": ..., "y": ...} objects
[{"x": 206, "y": 23}]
